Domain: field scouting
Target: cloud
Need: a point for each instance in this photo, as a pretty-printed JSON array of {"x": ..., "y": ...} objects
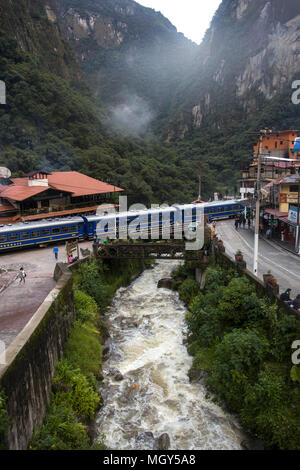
[{"x": 132, "y": 115}]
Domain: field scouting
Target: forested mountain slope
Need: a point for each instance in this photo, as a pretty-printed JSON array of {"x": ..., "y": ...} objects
[{"x": 110, "y": 88}]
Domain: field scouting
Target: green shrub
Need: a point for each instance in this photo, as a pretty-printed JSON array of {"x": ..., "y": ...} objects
[
  {"x": 239, "y": 357},
  {"x": 60, "y": 431},
  {"x": 91, "y": 282},
  {"x": 188, "y": 290},
  {"x": 84, "y": 350},
  {"x": 85, "y": 307},
  {"x": 269, "y": 411},
  {"x": 4, "y": 421},
  {"x": 75, "y": 392}
]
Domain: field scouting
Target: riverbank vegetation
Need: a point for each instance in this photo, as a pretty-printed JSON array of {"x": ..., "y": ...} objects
[
  {"x": 244, "y": 342},
  {"x": 75, "y": 396}
]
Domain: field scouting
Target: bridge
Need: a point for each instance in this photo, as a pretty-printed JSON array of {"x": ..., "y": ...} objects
[{"x": 166, "y": 249}]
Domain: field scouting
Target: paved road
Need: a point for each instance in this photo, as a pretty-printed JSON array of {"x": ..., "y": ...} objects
[
  {"x": 19, "y": 302},
  {"x": 285, "y": 266}
]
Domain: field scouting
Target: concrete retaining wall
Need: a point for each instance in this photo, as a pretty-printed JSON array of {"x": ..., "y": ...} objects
[{"x": 30, "y": 362}]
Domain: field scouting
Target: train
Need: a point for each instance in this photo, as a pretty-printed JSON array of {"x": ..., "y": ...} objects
[{"x": 52, "y": 231}]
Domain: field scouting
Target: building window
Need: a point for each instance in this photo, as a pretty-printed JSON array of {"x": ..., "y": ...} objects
[{"x": 293, "y": 189}]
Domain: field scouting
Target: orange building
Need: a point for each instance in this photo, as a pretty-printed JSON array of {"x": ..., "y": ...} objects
[{"x": 280, "y": 145}]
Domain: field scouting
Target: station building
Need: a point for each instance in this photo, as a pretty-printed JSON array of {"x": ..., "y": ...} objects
[{"x": 43, "y": 194}]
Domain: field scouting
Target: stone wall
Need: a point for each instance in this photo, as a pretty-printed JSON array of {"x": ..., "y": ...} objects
[{"x": 30, "y": 364}]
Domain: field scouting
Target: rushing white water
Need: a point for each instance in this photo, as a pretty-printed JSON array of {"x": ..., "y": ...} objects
[{"x": 147, "y": 327}]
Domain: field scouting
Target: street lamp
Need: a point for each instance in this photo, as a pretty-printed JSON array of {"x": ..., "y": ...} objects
[{"x": 262, "y": 133}]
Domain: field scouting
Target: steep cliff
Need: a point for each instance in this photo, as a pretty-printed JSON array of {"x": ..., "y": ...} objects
[
  {"x": 250, "y": 55},
  {"x": 127, "y": 51},
  {"x": 35, "y": 26}
]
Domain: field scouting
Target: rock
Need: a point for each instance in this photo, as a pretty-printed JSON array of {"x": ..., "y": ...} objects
[
  {"x": 163, "y": 442},
  {"x": 134, "y": 387},
  {"x": 116, "y": 375},
  {"x": 165, "y": 283},
  {"x": 253, "y": 444},
  {"x": 195, "y": 375},
  {"x": 146, "y": 440}
]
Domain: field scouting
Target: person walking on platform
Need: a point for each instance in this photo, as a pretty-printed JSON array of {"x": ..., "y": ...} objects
[{"x": 55, "y": 251}]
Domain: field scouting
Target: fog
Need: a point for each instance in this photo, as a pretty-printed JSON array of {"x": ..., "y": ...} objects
[{"x": 132, "y": 115}]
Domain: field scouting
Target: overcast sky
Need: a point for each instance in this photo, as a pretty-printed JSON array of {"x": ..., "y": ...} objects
[{"x": 191, "y": 17}]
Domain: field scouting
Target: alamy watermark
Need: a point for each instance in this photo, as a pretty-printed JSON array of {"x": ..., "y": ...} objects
[
  {"x": 296, "y": 354},
  {"x": 296, "y": 94},
  {"x": 2, "y": 92},
  {"x": 160, "y": 222}
]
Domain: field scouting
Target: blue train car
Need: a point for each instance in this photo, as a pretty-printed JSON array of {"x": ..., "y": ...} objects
[
  {"x": 222, "y": 210},
  {"x": 119, "y": 224},
  {"x": 23, "y": 235}
]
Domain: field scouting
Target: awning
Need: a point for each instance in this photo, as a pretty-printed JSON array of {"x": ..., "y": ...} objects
[
  {"x": 276, "y": 213},
  {"x": 287, "y": 221}
]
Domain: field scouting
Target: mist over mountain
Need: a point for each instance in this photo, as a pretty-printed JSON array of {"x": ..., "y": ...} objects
[{"x": 110, "y": 88}]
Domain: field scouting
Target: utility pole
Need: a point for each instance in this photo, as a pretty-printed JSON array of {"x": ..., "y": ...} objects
[{"x": 262, "y": 133}]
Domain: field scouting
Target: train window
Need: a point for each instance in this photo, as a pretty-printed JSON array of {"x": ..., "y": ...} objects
[
  {"x": 56, "y": 230},
  {"x": 45, "y": 232},
  {"x": 73, "y": 228},
  {"x": 13, "y": 236},
  {"x": 65, "y": 229},
  {"x": 90, "y": 225},
  {"x": 24, "y": 235},
  {"x": 35, "y": 233},
  {"x": 2, "y": 238}
]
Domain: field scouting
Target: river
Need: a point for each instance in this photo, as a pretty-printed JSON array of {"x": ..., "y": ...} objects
[{"x": 147, "y": 328}]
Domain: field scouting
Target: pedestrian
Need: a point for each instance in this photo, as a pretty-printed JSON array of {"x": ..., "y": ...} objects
[
  {"x": 236, "y": 223},
  {"x": 244, "y": 221},
  {"x": 285, "y": 296},
  {"x": 296, "y": 303},
  {"x": 55, "y": 251},
  {"x": 249, "y": 222},
  {"x": 22, "y": 275},
  {"x": 268, "y": 233},
  {"x": 240, "y": 220}
]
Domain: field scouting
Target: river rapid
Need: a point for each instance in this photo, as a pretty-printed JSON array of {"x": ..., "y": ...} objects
[{"x": 146, "y": 388}]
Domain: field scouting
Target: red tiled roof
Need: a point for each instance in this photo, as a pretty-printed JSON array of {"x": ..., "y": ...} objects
[
  {"x": 79, "y": 184},
  {"x": 68, "y": 181},
  {"x": 21, "y": 192}
]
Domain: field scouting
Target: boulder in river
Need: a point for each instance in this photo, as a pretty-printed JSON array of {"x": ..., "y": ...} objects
[
  {"x": 116, "y": 375},
  {"x": 195, "y": 375},
  {"x": 253, "y": 444},
  {"x": 163, "y": 442},
  {"x": 147, "y": 440},
  {"x": 167, "y": 283}
]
